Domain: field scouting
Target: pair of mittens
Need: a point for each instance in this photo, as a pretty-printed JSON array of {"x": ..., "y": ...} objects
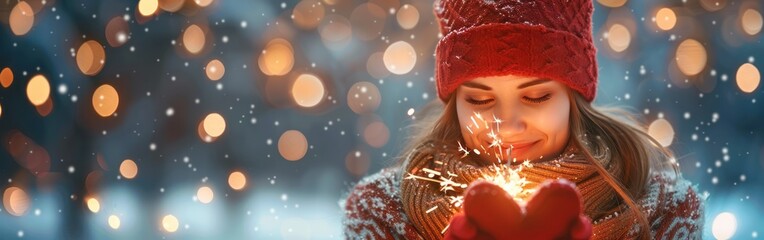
[{"x": 555, "y": 211}]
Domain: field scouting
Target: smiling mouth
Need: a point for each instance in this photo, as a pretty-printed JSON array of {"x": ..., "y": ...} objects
[
  {"x": 517, "y": 145},
  {"x": 517, "y": 149}
]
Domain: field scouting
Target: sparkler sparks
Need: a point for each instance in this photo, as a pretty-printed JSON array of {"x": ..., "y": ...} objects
[
  {"x": 505, "y": 176},
  {"x": 495, "y": 147}
]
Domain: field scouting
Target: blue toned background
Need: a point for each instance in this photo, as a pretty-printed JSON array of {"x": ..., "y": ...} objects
[{"x": 690, "y": 69}]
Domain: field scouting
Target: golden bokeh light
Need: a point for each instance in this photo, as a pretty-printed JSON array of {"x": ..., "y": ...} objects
[
  {"x": 91, "y": 58},
  {"x": 335, "y": 29},
  {"x": 307, "y": 14},
  {"x": 203, "y": 3},
  {"x": 6, "y": 77},
  {"x": 748, "y": 78},
  {"x": 376, "y": 134},
  {"x": 203, "y": 134},
  {"x": 691, "y": 57},
  {"x": 308, "y": 90},
  {"x": 368, "y": 21},
  {"x": 215, "y": 70},
  {"x": 237, "y": 180},
  {"x": 147, "y": 7},
  {"x": 619, "y": 37},
  {"x": 407, "y": 16},
  {"x": 194, "y": 39},
  {"x": 1, "y": 110},
  {"x": 357, "y": 163},
  {"x": 128, "y": 169},
  {"x": 114, "y": 222},
  {"x": 93, "y": 205},
  {"x": 363, "y": 97},
  {"x": 171, "y": 5},
  {"x": 277, "y": 59},
  {"x": 665, "y": 18},
  {"x": 170, "y": 223},
  {"x": 117, "y": 31},
  {"x": 214, "y": 125},
  {"x": 205, "y": 195},
  {"x": 21, "y": 18},
  {"x": 15, "y": 201},
  {"x": 38, "y": 90},
  {"x": 751, "y": 21},
  {"x": 399, "y": 57},
  {"x": 661, "y": 131},
  {"x": 612, "y": 3},
  {"x": 293, "y": 145},
  {"x": 105, "y": 100}
]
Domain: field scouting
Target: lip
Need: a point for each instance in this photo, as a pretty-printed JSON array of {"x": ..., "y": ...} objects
[
  {"x": 518, "y": 148},
  {"x": 518, "y": 145}
]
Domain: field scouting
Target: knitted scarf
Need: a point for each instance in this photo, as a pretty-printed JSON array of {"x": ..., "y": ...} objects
[{"x": 430, "y": 208}]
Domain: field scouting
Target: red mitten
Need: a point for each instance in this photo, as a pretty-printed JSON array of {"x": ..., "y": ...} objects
[
  {"x": 488, "y": 213},
  {"x": 461, "y": 228},
  {"x": 581, "y": 229},
  {"x": 554, "y": 212},
  {"x": 491, "y": 209}
]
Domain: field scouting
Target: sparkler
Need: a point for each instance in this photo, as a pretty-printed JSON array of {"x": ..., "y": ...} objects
[{"x": 505, "y": 176}]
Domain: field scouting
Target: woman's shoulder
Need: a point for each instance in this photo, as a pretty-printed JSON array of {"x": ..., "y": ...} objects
[
  {"x": 383, "y": 184},
  {"x": 673, "y": 190},
  {"x": 375, "y": 195},
  {"x": 373, "y": 209},
  {"x": 677, "y": 205}
]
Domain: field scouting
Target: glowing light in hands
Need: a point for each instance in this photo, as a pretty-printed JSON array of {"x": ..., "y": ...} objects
[{"x": 505, "y": 176}]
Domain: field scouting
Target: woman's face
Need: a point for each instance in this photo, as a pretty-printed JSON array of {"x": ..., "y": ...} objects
[{"x": 527, "y": 113}]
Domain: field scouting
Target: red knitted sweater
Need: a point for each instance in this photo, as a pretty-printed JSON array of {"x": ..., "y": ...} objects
[{"x": 373, "y": 209}]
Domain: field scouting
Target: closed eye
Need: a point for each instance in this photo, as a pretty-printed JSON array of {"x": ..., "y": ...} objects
[
  {"x": 539, "y": 99},
  {"x": 479, "y": 102}
]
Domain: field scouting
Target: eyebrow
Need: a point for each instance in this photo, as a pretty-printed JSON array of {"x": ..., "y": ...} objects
[
  {"x": 524, "y": 85},
  {"x": 477, "y": 85},
  {"x": 534, "y": 82}
]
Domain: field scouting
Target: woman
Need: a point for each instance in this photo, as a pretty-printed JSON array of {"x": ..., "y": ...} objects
[{"x": 517, "y": 79}]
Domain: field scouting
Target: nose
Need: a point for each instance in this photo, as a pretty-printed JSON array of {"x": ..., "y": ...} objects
[{"x": 511, "y": 122}]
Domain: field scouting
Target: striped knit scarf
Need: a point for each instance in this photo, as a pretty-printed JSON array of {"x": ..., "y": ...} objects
[{"x": 430, "y": 208}]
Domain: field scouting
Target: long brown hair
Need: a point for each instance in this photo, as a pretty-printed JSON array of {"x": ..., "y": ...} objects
[{"x": 600, "y": 133}]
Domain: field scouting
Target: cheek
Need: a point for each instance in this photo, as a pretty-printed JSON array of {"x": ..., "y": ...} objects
[
  {"x": 464, "y": 113},
  {"x": 554, "y": 123}
]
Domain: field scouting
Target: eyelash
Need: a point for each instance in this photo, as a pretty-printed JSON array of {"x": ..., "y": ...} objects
[
  {"x": 531, "y": 100},
  {"x": 478, "y": 102},
  {"x": 538, "y": 100}
]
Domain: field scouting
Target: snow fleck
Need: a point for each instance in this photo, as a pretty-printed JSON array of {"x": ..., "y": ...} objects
[{"x": 62, "y": 89}]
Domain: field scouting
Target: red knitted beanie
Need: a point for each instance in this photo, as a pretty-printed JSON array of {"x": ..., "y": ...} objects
[{"x": 546, "y": 39}]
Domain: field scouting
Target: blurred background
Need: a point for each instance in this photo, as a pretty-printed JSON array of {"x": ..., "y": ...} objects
[{"x": 201, "y": 119}]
